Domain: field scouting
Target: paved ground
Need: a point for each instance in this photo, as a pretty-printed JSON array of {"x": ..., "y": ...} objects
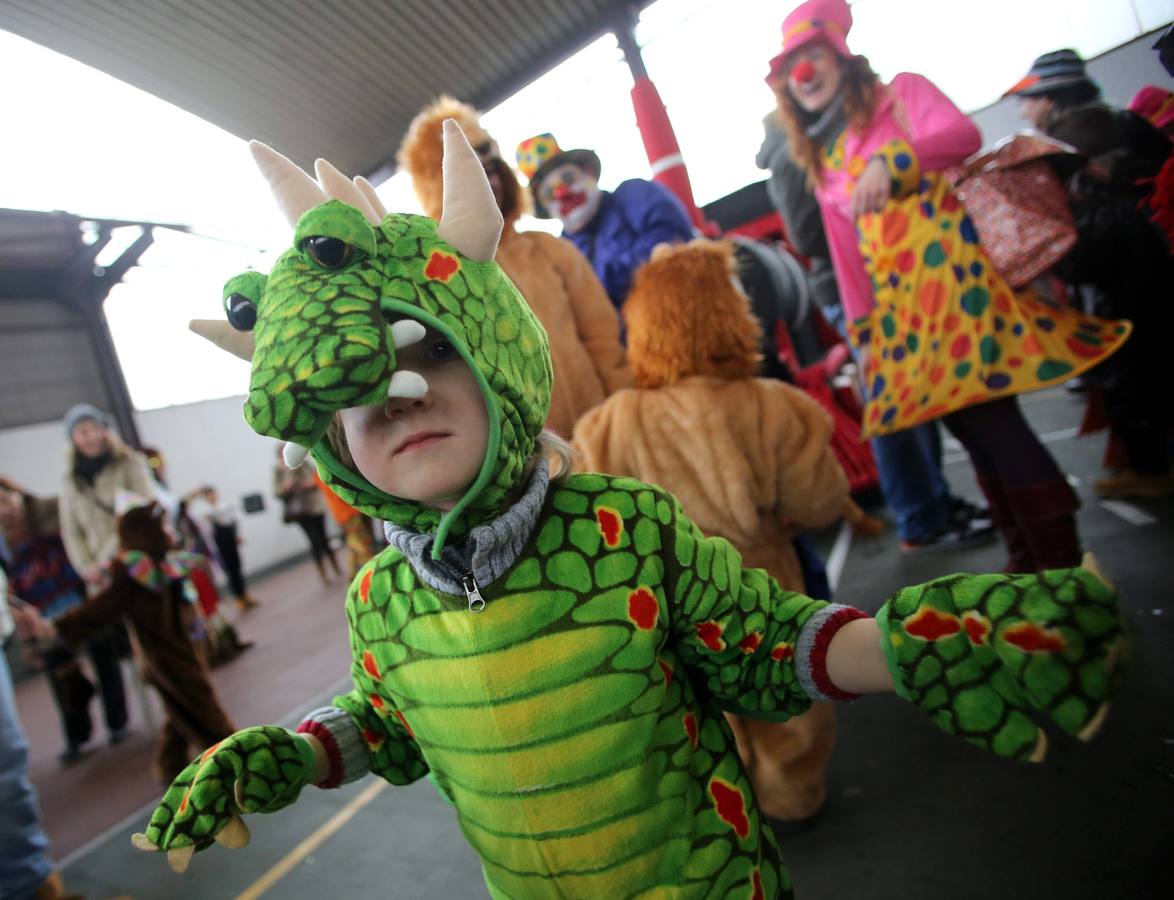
[{"x": 912, "y": 813}]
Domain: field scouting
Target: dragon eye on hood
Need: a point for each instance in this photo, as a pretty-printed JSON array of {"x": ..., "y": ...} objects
[
  {"x": 242, "y": 294},
  {"x": 329, "y": 252},
  {"x": 241, "y": 312}
]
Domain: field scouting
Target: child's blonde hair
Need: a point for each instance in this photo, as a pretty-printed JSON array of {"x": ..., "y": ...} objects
[{"x": 550, "y": 446}]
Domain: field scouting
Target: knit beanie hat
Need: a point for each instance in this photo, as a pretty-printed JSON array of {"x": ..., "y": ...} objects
[
  {"x": 1058, "y": 69},
  {"x": 80, "y": 413}
]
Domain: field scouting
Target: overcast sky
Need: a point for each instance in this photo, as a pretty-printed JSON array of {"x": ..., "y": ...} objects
[{"x": 80, "y": 141}]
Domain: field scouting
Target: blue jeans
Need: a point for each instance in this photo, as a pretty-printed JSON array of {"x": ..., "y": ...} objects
[
  {"x": 909, "y": 466},
  {"x": 24, "y": 858}
]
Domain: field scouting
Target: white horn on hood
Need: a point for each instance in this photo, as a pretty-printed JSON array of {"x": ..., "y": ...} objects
[
  {"x": 240, "y": 344},
  {"x": 470, "y": 220},
  {"x": 295, "y": 191},
  {"x": 342, "y": 188},
  {"x": 368, "y": 191}
]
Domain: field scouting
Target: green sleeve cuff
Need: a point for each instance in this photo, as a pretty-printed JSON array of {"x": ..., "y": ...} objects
[
  {"x": 903, "y": 167},
  {"x": 890, "y": 652}
]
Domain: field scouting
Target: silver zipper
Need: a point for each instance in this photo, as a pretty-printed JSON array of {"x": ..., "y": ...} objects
[{"x": 473, "y": 593}]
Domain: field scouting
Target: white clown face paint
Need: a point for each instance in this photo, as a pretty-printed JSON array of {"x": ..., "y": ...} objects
[{"x": 572, "y": 194}]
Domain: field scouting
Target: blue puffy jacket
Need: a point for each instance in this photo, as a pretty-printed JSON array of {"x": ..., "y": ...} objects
[{"x": 632, "y": 219}]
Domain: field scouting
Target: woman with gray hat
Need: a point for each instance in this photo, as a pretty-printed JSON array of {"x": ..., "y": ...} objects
[{"x": 98, "y": 467}]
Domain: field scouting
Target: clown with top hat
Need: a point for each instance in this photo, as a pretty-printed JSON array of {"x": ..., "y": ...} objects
[{"x": 615, "y": 230}]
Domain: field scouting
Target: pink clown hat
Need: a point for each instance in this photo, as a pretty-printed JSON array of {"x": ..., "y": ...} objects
[{"x": 826, "y": 20}]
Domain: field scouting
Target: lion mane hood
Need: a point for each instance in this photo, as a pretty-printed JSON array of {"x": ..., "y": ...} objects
[
  {"x": 687, "y": 315},
  {"x": 422, "y": 150}
]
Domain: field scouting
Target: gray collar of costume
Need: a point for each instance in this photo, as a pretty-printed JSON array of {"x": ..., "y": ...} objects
[{"x": 489, "y": 549}]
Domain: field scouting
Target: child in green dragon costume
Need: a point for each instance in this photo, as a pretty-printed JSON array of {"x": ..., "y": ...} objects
[{"x": 556, "y": 651}]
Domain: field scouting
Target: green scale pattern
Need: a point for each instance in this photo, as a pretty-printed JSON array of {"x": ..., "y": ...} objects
[
  {"x": 560, "y": 720},
  {"x": 269, "y": 764},
  {"x": 575, "y": 722},
  {"x": 983, "y": 654},
  {"x": 323, "y": 344}
]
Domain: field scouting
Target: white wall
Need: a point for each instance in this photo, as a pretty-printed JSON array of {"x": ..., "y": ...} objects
[
  {"x": 202, "y": 443},
  {"x": 1120, "y": 73}
]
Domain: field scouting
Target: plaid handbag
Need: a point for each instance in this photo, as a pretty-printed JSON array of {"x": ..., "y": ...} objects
[{"x": 1018, "y": 205}]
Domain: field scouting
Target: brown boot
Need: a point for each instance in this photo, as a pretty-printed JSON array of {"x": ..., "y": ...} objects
[
  {"x": 245, "y": 603},
  {"x": 52, "y": 889},
  {"x": 1046, "y": 514},
  {"x": 1019, "y": 558},
  {"x": 1128, "y": 483}
]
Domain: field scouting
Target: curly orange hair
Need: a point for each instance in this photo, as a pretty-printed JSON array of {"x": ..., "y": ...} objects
[
  {"x": 422, "y": 150},
  {"x": 686, "y": 315}
]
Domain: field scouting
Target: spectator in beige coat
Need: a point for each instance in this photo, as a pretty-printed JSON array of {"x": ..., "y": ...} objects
[{"x": 98, "y": 467}]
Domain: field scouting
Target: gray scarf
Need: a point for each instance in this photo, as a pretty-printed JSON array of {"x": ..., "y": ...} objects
[
  {"x": 486, "y": 553},
  {"x": 825, "y": 129}
]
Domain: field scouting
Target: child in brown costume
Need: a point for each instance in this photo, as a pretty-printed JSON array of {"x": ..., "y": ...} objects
[
  {"x": 748, "y": 457},
  {"x": 150, "y": 587}
]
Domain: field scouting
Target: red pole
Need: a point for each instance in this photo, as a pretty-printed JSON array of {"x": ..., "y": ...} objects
[{"x": 660, "y": 141}]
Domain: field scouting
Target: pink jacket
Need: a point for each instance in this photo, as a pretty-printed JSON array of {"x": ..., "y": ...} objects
[{"x": 910, "y": 110}]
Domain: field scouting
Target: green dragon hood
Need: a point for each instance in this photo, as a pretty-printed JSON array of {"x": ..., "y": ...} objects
[{"x": 322, "y": 338}]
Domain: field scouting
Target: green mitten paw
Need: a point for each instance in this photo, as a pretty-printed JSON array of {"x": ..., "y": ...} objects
[
  {"x": 257, "y": 770},
  {"x": 986, "y": 656}
]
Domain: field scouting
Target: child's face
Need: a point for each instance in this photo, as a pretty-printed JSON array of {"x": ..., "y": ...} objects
[{"x": 428, "y": 449}]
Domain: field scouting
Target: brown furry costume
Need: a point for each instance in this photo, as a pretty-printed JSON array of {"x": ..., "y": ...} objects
[
  {"x": 749, "y": 459},
  {"x": 557, "y": 282},
  {"x": 163, "y": 624}
]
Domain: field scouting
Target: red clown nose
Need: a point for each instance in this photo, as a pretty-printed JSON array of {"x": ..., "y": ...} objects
[{"x": 803, "y": 71}]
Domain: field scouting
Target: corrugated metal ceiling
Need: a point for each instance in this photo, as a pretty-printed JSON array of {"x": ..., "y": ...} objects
[{"x": 316, "y": 77}]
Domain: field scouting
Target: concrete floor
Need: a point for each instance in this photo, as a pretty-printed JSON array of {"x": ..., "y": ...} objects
[{"x": 912, "y": 813}]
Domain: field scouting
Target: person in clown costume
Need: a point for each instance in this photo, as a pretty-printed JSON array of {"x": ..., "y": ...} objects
[
  {"x": 615, "y": 230},
  {"x": 940, "y": 333},
  {"x": 582, "y": 327},
  {"x": 556, "y": 650}
]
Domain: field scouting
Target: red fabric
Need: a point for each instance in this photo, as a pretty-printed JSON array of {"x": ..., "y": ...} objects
[
  {"x": 1161, "y": 200},
  {"x": 819, "y": 653},
  {"x": 660, "y": 143},
  {"x": 334, "y": 776},
  {"x": 207, "y": 595},
  {"x": 766, "y": 227},
  {"x": 1019, "y": 207},
  {"x": 852, "y": 451}
]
